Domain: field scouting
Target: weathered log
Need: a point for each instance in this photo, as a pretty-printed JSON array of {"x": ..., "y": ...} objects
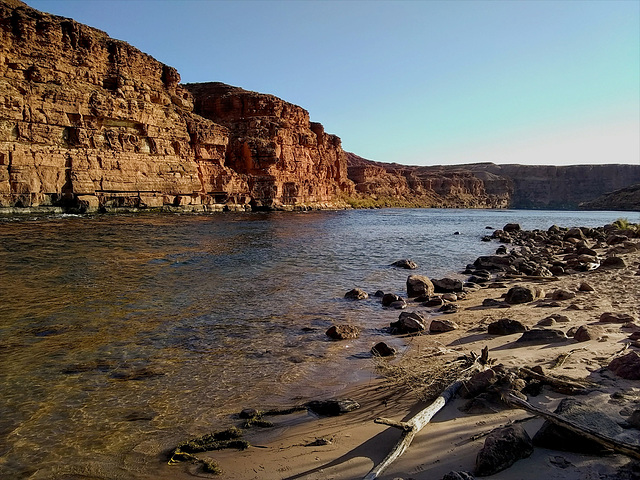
[{"x": 625, "y": 448}]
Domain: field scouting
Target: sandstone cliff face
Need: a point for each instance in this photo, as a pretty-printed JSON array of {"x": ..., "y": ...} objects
[
  {"x": 287, "y": 158},
  {"x": 449, "y": 187},
  {"x": 89, "y": 121}
]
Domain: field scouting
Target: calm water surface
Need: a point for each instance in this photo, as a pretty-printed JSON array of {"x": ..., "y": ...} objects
[{"x": 120, "y": 335}]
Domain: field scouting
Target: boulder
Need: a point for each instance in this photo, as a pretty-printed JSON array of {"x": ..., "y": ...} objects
[
  {"x": 561, "y": 294},
  {"x": 542, "y": 335},
  {"x": 381, "y": 349},
  {"x": 612, "y": 317},
  {"x": 447, "y": 285},
  {"x": 409, "y": 322},
  {"x": 333, "y": 407},
  {"x": 356, "y": 294},
  {"x": 506, "y": 326},
  {"x": 405, "y": 263},
  {"x": 555, "y": 437},
  {"x": 502, "y": 448},
  {"x": 612, "y": 262},
  {"x": 389, "y": 298},
  {"x": 343, "y": 332},
  {"x": 588, "y": 332},
  {"x": 523, "y": 294},
  {"x": 512, "y": 227},
  {"x": 492, "y": 262},
  {"x": 441, "y": 326},
  {"x": 627, "y": 366},
  {"x": 419, "y": 285}
]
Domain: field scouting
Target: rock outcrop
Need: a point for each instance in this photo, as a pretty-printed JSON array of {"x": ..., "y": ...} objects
[
  {"x": 88, "y": 122},
  {"x": 627, "y": 199}
]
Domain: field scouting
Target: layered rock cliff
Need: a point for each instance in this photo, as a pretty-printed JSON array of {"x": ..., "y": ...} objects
[
  {"x": 90, "y": 122},
  {"x": 488, "y": 185}
]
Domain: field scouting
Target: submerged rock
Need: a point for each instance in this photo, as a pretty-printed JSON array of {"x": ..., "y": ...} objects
[
  {"x": 405, "y": 263},
  {"x": 343, "y": 332},
  {"x": 381, "y": 349},
  {"x": 356, "y": 294}
]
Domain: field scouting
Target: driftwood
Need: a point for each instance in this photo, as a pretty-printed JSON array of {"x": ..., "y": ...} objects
[
  {"x": 629, "y": 449},
  {"x": 558, "y": 384},
  {"x": 424, "y": 416}
]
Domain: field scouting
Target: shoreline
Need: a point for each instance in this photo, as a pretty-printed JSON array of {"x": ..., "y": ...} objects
[{"x": 355, "y": 444}]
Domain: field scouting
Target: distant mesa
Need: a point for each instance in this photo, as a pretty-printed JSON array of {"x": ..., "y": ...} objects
[{"x": 91, "y": 123}]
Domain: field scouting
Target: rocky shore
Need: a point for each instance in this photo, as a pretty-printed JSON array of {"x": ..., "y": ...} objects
[{"x": 558, "y": 312}]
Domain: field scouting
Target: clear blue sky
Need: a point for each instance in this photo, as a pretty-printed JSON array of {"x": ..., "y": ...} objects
[{"x": 414, "y": 82}]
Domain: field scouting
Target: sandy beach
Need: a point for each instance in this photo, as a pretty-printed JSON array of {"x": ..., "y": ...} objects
[{"x": 300, "y": 446}]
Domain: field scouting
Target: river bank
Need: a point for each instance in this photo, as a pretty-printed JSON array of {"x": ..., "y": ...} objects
[{"x": 352, "y": 444}]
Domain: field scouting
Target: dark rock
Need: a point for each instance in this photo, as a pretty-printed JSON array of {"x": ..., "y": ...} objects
[
  {"x": 556, "y": 270},
  {"x": 419, "y": 285},
  {"x": 485, "y": 403},
  {"x": 588, "y": 332},
  {"x": 405, "y": 263},
  {"x": 574, "y": 233},
  {"x": 486, "y": 238},
  {"x": 612, "y": 317},
  {"x": 501, "y": 250},
  {"x": 409, "y": 322},
  {"x": 492, "y": 262},
  {"x": 561, "y": 294},
  {"x": 502, "y": 448},
  {"x": 506, "y": 326},
  {"x": 523, "y": 294},
  {"x": 634, "y": 419},
  {"x": 612, "y": 263},
  {"x": 356, "y": 294},
  {"x": 343, "y": 332},
  {"x": 477, "y": 279},
  {"x": 556, "y": 317},
  {"x": 449, "y": 308},
  {"x": 615, "y": 239},
  {"x": 379, "y": 293},
  {"x": 447, "y": 285},
  {"x": 492, "y": 302},
  {"x": 512, "y": 227},
  {"x": 559, "y": 438},
  {"x": 434, "y": 302},
  {"x": 546, "y": 322},
  {"x": 333, "y": 407},
  {"x": 389, "y": 298},
  {"x": 248, "y": 413},
  {"x": 383, "y": 350},
  {"x": 539, "y": 335},
  {"x": 585, "y": 287},
  {"x": 627, "y": 366},
  {"x": 456, "y": 233},
  {"x": 399, "y": 305},
  {"x": 441, "y": 326}
]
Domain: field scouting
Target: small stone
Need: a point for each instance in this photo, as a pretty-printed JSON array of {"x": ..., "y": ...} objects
[
  {"x": 383, "y": 350},
  {"x": 449, "y": 308},
  {"x": 587, "y": 332},
  {"x": 477, "y": 383},
  {"x": 441, "y": 326},
  {"x": 522, "y": 294},
  {"x": 546, "y": 322},
  {"x": 612, "y": 317},
  {"x": 356, "y": 294},
  {"x": 405, "y": 263},
  {"x": 434, "y": 302},
  {"x": 502, "y": 448},
  {"x": 538, "y": 335},
  {"x": 343, "y": 332},
  {"x": 627, "y": 366},
  {"x": 506, "y": 326},
  {"x": 389, "y": 298},
  {"x": 562, "y": 295},
  {"x": 333, "y": 407}
]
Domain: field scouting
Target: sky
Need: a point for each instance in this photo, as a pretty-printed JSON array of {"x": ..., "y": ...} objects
[{"x": 413, "y": 82}]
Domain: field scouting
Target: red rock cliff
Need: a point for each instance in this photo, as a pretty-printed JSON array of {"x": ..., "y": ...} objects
[
  {"x": 287, "y": 159},
  {"x": 89, "y": 121}
]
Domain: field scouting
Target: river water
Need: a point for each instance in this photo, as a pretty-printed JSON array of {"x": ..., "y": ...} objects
[{"x": 120, "y": 334}]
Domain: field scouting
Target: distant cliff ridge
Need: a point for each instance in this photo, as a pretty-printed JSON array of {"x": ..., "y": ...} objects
[
  {"x": 627, "y": 198},
  {"x": 489, "y": 185},
  {"x": 88, "y": 122}
]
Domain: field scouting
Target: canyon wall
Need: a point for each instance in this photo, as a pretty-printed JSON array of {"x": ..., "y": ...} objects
[
  {"x": 489, "y": 185},
  {"x": 627, "y": 199},
  {"x": 89, "y": 122}
]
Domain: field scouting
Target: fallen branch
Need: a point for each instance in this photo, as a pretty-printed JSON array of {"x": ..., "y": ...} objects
[
  {"x": 629, "y": 449},
  {"x": 419, "y": 420},
  {"x": 412, "y": 427},
  {"x": 558, "y": 384}
]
